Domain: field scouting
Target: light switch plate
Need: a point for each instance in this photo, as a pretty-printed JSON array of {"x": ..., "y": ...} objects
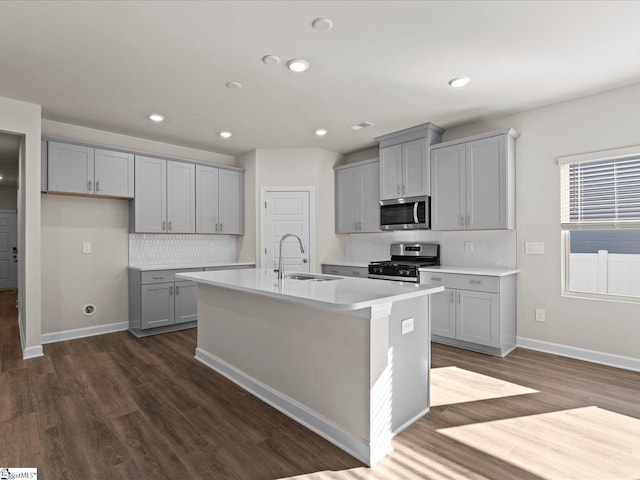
[
  {"x": 534, "y": 248},
  {"x": 468, "y": 247},
  {"x": 407, "y": 326},
  {"x": 541, "y": 315},
  {"x": 86, "y": 247}
]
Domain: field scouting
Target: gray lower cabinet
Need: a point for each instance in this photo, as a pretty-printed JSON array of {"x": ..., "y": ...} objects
[
  {"x": 345, "y": 270},
  {"x": 160, "y": 302},
  {"x": 476, "y": 312}
]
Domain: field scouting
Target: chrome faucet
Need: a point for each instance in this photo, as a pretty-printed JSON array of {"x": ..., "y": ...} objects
[{"x": 281, "y": 260}]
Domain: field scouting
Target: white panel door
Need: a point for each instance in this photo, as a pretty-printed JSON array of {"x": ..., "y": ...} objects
[
  {"x": 181, "y": 197},
  {"x": 415, "y": 174},
  {"x": 286, "y": 212},
  {"x": 151, "y": 195},
  {"x": 206, "y": 199},
  {"x": 70, "y": 168},
  {"x": 8, "y": 251},
  {"x": 113, "y": 173},
  {"x": 231, "y": 202},
  {"x": 486, "y": 171},
  {"x": 448, "y": 188}
]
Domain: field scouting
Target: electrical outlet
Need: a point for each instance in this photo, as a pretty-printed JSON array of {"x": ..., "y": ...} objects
[
  {"x": 86, "y": 247},
  {"x": 407, "y": 325},
  {"x": 468, "y": 247},
  {"x": 534, "y": 248},
  {"x": 541, "y": 316}
]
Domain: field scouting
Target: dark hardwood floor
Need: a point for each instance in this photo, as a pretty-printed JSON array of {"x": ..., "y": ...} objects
[{"x": 117, "y": 407}]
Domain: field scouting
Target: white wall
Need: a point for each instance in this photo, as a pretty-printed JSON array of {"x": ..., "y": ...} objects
[
  {"x": 24, "y": 119},
  {"x": 8, "y": 198},
  {"x": 293, "y": 167},
  {"x": 71, "y": 279},
  {"x": 598, "y": 122}
]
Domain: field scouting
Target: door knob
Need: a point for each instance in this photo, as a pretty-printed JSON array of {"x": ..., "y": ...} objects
[{"x": 305, "y": 260}]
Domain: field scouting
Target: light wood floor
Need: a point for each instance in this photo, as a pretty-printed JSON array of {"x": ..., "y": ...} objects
[{"x": 116, "y": 407}]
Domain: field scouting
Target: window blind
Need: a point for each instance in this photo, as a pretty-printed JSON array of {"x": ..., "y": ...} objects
[{"x": 601, "y": 194}]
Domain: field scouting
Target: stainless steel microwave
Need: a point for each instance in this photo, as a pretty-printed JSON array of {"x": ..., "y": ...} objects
[{"x": 405, "y": 214}]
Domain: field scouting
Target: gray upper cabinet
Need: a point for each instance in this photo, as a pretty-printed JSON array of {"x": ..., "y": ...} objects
[
  {"x": 473, "y": 183},
  {"x": 150, "y": 205},
  {"x": 165, "y": 196},
  {"x": 113, "y": 173},
  {"x": 404, "y": 162},
  {"x": 219, "y": 200},
  {"x": 70, "y": 168},
  {"x": 231, "y": 204},
  {"x": 89, "y": 171},
  {"x": 207, "y": 199},
  {"x": 357, "y": 190},
  {"x": 181, "y": 197}
]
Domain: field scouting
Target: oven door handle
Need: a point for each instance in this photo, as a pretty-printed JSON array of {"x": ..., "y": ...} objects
[{"x": 415, "y": 212}]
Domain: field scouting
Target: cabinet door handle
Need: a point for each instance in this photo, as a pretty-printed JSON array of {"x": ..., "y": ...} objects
[
  {"x": 355, "y": 226},
  {"x": 221, "y": 228},
  {"x": 468, "y": 220},
  {"x": 177, "y": 289},
  {"x": 356, "y": 274},
  {"x": 398, "y": 188},
  {"x": 216, "y": 227},
  {"x": 458, "y": 296},
  {"x": 89, "y": 186},
  {"x": 158, "y": 277},
  {"x": 97, "y": 186},
  {"x": 477, "y": 282},
  {"x": 170, "y": 291},
  {"x": 164, "y": 225},
  {"x": 334, "y": 271},
  {"x": 461, "y": 220},
  {"x": 451, "y": 297},
  {"x": 436, "y": 279},
  {"x": 169, "y": 229}
]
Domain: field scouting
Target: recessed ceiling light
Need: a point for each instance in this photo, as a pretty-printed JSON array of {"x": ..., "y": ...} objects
[
  {"x": 322, "y": 24},
  {"x": 234, "y": 85},
  {"x": 321, "y": 132},
  {"x": 1, "y": 177},
  {"x": 225, "y": 134},
  {"x": 271, "y": 59},
  {"x": 360, "y": 126},
  {"x": 459, "y": 82},
  {"x": 297, "y": 65},
  {"x": 156, "y": 117}
]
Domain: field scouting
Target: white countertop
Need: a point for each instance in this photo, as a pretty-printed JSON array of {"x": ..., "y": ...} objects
[
  {"x": 192, "y": 265},
  {"x": 346, "y": 293},
  {"x": 342, "y": 263},
  {"x": 491, "y": 272}
]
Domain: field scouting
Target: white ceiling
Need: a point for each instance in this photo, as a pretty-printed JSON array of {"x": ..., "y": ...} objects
[{"x": 108, "y": 64}]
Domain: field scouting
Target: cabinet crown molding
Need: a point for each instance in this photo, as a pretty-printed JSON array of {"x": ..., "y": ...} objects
[{"x": 509, "y": 132}]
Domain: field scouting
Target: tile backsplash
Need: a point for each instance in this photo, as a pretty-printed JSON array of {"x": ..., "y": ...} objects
[
  {"x": 491, "y": 248},
  {"x": 150, "y": 250}
]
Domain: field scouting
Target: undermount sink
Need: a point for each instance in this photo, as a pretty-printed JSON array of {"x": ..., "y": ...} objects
[{"x": 313, "y": 278}]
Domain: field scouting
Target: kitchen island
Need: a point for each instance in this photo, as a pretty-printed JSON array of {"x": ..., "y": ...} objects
[{"x": 327, "y": 351}]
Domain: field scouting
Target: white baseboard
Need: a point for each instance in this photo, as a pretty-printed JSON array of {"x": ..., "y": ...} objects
[
  {"x": 84, "y": 332},
  {"x": 609, "y": 359},
  {"x": 324, "y": 427},
  {"x": 27, "y": 352}
]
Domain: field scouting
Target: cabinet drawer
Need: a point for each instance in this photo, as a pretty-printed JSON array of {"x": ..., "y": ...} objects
[
  {"x": 164, "y": 276},
  {"x": 479, "y": 283},
  {"x": 346, "y": 271}
]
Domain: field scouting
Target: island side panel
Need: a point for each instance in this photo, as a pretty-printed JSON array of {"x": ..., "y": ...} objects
[
  {"x": 409, "y": 358},
  {"x": 318, "y": 358}
]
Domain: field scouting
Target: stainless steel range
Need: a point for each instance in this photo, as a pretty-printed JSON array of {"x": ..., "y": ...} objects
[{"x": 405, "y": 261}]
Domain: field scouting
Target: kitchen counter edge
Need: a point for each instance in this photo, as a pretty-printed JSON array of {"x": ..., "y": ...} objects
[{"x": 150, "y": 268}]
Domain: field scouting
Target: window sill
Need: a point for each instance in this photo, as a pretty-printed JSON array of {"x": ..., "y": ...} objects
[{"x": 601, "y": 297}]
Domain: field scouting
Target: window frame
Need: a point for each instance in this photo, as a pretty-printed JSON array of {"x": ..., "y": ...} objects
[{"x": 565, "y": 247}]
